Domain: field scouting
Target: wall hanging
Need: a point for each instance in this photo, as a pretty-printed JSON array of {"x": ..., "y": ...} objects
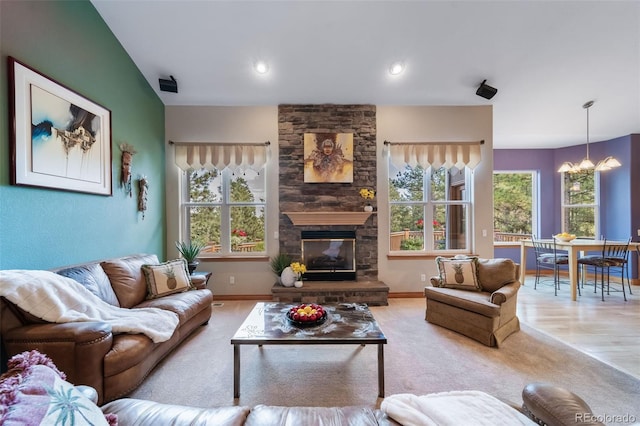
[
  {"x": 328, "y": 157},
  {"x": 125, "y": 166},
  {"x": 143, "y": 189},
  {"x": 59, "y": 139}
]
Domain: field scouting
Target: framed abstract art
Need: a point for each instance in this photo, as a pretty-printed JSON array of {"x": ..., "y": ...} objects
[{"x": 60, "y": 139}]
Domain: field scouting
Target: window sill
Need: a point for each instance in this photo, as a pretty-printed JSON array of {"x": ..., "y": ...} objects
[
  {"x": 507, "y": 244},
  {"x": 235, "y": 258},
  {"x": 422, "y": 255}
]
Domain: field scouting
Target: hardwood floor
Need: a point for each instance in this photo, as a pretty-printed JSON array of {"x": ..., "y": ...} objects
[{"x": 608, "y": 331}]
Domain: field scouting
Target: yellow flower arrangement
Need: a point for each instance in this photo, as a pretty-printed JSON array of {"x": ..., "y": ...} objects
[
  {"x": 367, "y": 194},
  {"x": 298, "y": 268}
]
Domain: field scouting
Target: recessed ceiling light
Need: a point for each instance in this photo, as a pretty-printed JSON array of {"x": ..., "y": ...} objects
[
  {"x": 396, "y": 68},
  {"x": 261, "y": 67}
]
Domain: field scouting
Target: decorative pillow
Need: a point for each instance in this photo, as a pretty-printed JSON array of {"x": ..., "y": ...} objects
[
  {"x": 34, "y": 392},
  {"x": 126, "y": 277},
  {"x": 458, "y": 273},
  {"x": 495, "y": 273},
  {"x": 167, "y": 278}
]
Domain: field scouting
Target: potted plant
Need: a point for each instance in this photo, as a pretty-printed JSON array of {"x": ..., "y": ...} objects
[
  {"x": 190, "y": 251},
  {"x": 279, "y": 263}
]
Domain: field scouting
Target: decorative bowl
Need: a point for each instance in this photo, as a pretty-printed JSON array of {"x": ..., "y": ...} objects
[
  {"x": 565, "y": 238},
  {"x": 306, "y": 322}
]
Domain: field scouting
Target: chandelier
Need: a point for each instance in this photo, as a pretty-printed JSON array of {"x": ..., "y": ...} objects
[{"x": 586, "y": 164}]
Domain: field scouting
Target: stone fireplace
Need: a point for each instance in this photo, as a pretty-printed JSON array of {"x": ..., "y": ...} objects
[
  {"x": 327, "y": 204},
  {"x": 329, "y": 207}
]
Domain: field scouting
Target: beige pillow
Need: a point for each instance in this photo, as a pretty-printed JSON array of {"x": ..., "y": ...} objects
[
  {"x": 167, "y": 278},
  {"x": 495, "y": 273},
  {"x": 458, "y": 273}
]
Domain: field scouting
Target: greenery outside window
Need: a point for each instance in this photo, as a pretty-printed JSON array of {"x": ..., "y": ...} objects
[
  {"x": 225, "y": 211},
  {"x": 514, "y": 205},
  {"x": 580, "y": 207},
  {"x": 429, "y": 209}
]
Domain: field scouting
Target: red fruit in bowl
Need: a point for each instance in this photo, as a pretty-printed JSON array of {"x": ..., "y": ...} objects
[
  {"x": 312, "y": 317},
  {"x": 296, "y": 316}
]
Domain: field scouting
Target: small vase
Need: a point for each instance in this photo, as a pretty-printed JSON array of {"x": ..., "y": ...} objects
[
  {"x": 298, "y": 284},
  {"x": 288, "y": 277},
  {"x": 192, "y": 266},
  {"x": 368, "y": 208}
]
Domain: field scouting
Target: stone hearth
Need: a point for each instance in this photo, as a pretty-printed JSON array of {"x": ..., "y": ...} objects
[{"x": 374, "y": 293}]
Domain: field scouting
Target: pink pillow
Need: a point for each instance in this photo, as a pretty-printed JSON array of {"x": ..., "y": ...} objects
[{"x": 34, "y": 392}]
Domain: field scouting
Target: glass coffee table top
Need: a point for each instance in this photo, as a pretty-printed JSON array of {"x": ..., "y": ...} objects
[{"x": 346, "y": 323}]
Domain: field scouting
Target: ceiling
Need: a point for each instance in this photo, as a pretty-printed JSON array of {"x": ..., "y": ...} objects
[{"x": 546, "y": 58}]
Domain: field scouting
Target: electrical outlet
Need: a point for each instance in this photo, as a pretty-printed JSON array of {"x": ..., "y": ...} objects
[
  {"x": 232, "y": 280},
  {"x": 484, "y": 232},
  {"x": 423, "y": 278},
  {"x": 638, "y": 232},
  {"x": 276, "y": 235}
]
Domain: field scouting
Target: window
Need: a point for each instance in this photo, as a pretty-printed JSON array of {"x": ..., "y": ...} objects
[
  {"x": 514, "y": 205},
  {"x": 429, "y": 209},
  {"x": 225, "y": 210},
  {"x": 580, "y": 192}
]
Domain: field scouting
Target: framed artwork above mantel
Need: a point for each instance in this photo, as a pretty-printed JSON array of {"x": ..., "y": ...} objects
[
  {"x": 328, "y": 157},
  {"x": 59, "y": 138}
]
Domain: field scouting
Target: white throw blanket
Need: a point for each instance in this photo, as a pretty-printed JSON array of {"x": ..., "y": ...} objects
[
  {"x": 468, "y": 408},
  {"x": 59, "y": 299}
]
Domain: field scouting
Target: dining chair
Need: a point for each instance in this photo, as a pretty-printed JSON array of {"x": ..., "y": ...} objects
[
  {"x": 612, "y": 255},
  {"x": 622, "y": 261},
  {"x": 548, "y": 257}
]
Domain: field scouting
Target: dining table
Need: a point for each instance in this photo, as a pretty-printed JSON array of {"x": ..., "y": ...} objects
[{"x": 575, "y": 248}]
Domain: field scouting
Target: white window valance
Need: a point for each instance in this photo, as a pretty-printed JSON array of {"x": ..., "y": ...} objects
[
  {"x": 209, "y": 156},
  {"x": 435, "y": 154}
]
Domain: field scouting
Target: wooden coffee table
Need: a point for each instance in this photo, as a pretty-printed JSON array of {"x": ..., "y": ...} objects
[{"x": 346, "y": 324}]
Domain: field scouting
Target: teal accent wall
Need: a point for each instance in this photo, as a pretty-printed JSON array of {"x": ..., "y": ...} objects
[{"x": 42, "y": 228}]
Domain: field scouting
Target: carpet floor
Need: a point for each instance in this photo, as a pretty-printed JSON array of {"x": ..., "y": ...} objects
[{"x": 420, "y": 358}]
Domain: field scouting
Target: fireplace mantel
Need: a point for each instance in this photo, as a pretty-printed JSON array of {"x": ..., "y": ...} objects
[{"x": 328, "y": 218}]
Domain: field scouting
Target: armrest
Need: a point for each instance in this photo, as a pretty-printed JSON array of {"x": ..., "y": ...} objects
[
  {"x": 555, "y": 406},
  {"x": 505, "y": 293},
  {"x": 77, "y": 348}
]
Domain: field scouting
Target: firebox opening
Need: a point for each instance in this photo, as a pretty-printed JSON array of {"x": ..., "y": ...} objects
[{"x": 329, "y": 255}]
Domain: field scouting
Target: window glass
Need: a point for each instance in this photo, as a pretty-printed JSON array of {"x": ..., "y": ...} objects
[
  {"x": 579, "y": 205},
  {"x": 226, "y": 210},
  {"x": 428, "y": 209},
  {"x": 514, "y": 205}
]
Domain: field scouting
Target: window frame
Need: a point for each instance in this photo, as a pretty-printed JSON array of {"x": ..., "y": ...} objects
[
  {"x": 225, "y": 206},
  {"x": 596, "y": 206},
  {"x": 428, "y": 205},
  {"x": 535, "y": 203}
]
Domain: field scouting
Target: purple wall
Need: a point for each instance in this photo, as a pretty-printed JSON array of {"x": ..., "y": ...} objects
[{"x": 619, "y": 188}]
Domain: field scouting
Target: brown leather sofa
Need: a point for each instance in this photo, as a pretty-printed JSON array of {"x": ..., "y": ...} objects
[
  {"x": 88, "y": 352},
  {"x": 543, "y": 403},
  {"x": 487, "y": 315}
]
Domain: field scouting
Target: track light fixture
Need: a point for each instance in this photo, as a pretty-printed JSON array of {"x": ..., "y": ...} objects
[
  {"x": 168, "y": 85},
  {"x": 486, "y": 91}
]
